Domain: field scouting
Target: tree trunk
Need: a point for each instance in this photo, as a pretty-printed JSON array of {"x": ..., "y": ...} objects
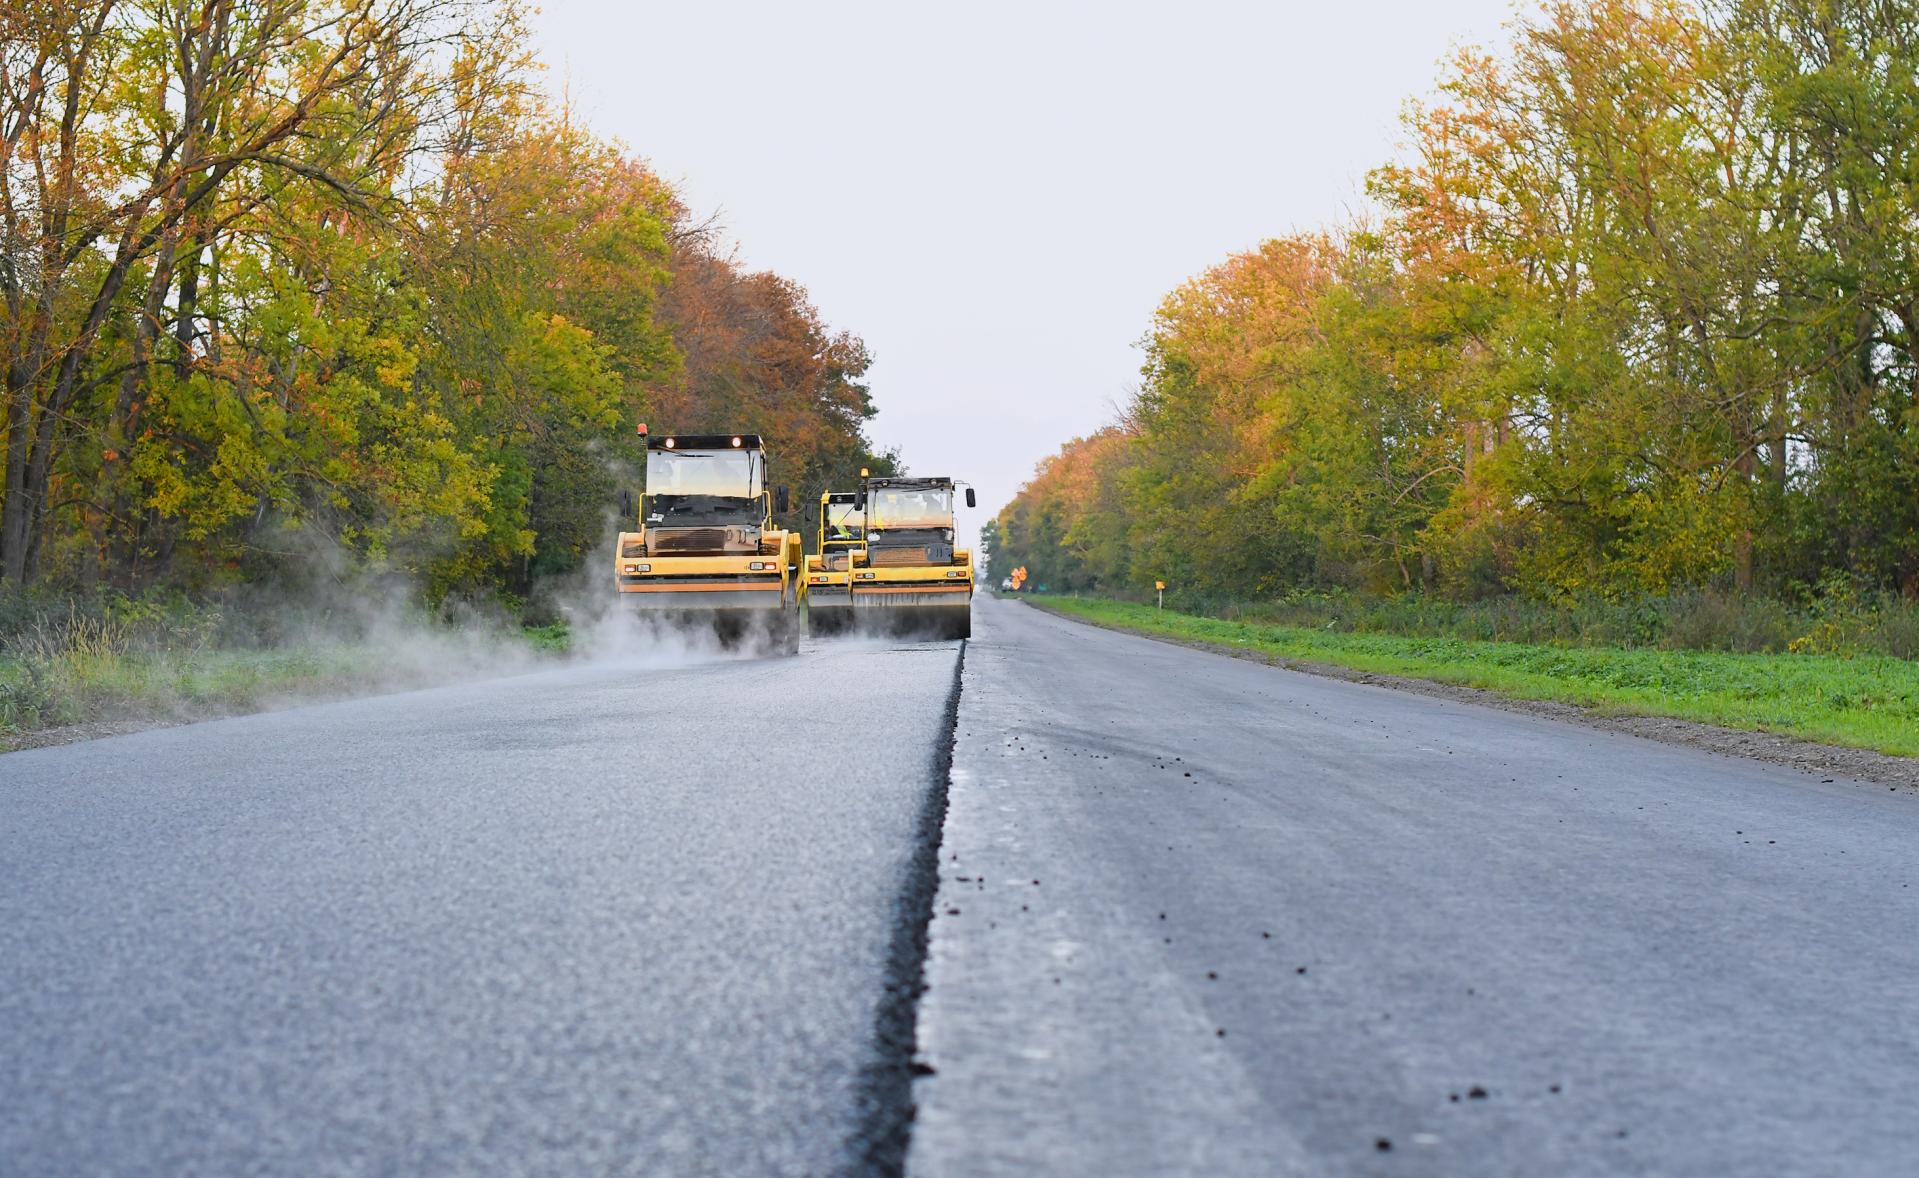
[
  {"x": 1781, "y": 426},
  {"x": 16, "y": 512}
]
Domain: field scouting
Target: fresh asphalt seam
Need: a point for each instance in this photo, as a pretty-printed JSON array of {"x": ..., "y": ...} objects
[{"x": 886, "y": 1085}]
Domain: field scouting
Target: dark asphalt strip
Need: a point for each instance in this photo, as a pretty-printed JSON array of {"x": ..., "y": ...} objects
[{"x": 886, "y": 1085}]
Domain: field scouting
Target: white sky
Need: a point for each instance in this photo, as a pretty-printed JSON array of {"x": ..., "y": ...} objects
[{"x": 996, "y": 195}]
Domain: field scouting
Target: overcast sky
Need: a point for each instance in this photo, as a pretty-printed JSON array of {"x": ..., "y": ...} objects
[{"x": 995, "y": 196}]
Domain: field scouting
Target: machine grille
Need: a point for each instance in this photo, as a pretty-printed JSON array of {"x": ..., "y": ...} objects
[
  {"x": 704, "y": 540},
  {"x": 881, "y": 557}
]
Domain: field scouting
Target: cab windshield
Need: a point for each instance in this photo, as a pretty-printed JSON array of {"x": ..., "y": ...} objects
[
  {"x": 688, "y": 487},
  {"x": 736, "y": 474},
  {"x": 926, "y": 507},
  {"x": 843, "y": 521}
]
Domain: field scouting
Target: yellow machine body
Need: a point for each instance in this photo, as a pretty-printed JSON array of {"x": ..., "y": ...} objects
[
  {"x": 906, "y": 577},
  {"x": 829, "y": 571},
  {"x": 706, "y": 553}
]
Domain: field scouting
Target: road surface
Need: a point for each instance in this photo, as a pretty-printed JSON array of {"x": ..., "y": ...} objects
[
  {"x": 1194, "y": 915},
  {"x": 584, "y": 922},
  {"x": 1198, "y": 915}
]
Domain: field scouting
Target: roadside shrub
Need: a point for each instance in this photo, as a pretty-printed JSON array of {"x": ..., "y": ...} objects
[
  {"x": 28, "y": 698},
  {"x": 1744, "y": 625},
  {"x": 1833, "y": 618},
  {"x": 1896, "y": 632}
]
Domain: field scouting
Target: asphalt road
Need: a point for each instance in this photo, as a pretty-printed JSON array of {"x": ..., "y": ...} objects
[
  {"x": 1202, "y": 916},
  {"x": 618, "y": 919},
  {"x": 1193, "y": 916}
]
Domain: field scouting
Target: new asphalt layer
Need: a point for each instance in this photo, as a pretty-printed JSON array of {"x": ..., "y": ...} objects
[
  {"x": 1189, "y": 915},
  {"x": 616, "y": 919}
]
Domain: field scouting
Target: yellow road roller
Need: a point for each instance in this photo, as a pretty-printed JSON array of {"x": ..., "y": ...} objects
[
  {"x": 706, "y": 555},
  {"x": 906, "y": 577},
  {"x": 829, "y": 569}
]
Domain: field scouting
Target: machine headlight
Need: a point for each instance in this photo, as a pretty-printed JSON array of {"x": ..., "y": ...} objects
[
  {"x": 761, "y": 566},
  {"x": 957, "y": 573},
  {"x": 865, "y": 576},
  {"x": 639, "y": 568}
]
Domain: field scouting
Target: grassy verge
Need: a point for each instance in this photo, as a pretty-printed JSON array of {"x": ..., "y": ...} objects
[
  {"x": 1869, "y": 702},
  {"x": 1837, "y": 618},
  {"x": 87, "y": 673}
]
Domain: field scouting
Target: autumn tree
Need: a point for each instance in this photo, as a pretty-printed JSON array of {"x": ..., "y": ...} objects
[
  {"x": 1634, "y": 313},
  {"x": 758, "y": 357},
  {"x": 335, "y": 280}
]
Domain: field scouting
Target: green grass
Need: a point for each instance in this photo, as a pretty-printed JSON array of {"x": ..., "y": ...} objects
[
  {"x": 1867, "y": 702},
  {"x": 1837, "y": 617},
  {"x": 553, "y": 638}
]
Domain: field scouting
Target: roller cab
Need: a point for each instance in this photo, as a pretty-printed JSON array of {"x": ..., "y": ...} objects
[
  {"x": 907, "y": 577},
  {"x": 829, "y": 570},
  {"x": 706, "y": 554}
]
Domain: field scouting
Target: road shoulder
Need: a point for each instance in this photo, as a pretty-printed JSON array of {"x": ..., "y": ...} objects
[
  {"x": 1809, "y": 757},
  {"x": 1023, "y": 1067}
]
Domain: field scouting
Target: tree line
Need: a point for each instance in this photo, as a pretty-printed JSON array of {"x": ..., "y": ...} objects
[
  {"x": 289, "y": 282},
  {"x": 1636, "y": 311}
]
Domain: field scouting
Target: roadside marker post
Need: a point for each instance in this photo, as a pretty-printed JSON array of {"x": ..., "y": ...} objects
[{"x": 1160, "y": 588}]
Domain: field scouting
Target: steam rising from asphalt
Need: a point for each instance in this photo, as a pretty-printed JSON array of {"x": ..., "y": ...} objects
[
  {"x": 396, "y": 644},
  {"x": 377, "y": 622},
  {"x": 322, "y": 626},
  {"x": 605, "y": 628},
  {"x": 609, "y": 632}
]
